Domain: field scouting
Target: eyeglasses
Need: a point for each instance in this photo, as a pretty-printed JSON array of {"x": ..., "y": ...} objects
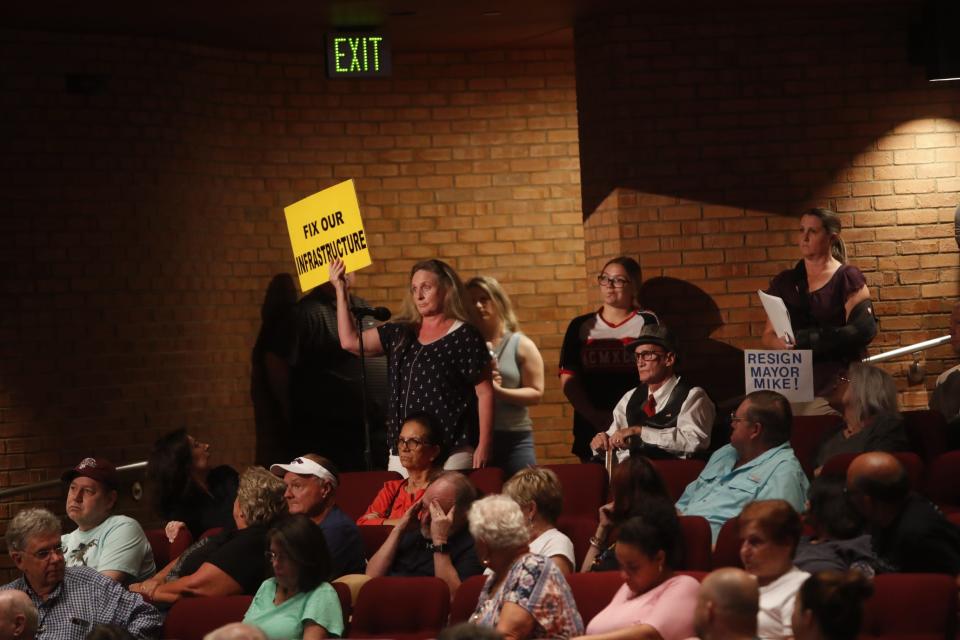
[
  {"x": 616, "y": 282},
  {"x": 272, "y": 556},
  {"x": 734, "y": 418},
  {"x": 43, "y": 554},
  {"x": 648, "y": 356},
  {"x": 411, "y": 444}
]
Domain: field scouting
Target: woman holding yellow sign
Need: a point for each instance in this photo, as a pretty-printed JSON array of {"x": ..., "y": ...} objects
[{"x": 437, "y": 362}]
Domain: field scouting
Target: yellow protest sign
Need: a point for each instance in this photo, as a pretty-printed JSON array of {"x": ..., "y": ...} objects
[{"x": 323, "y": 227}]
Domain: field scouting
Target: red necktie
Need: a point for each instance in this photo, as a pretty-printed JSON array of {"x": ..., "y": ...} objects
[{"x": 650, "y": 407}]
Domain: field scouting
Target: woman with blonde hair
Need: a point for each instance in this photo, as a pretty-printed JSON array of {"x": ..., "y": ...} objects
[
  {"x": 437, "y": 362},
  {"x": 231, "y": 562},
  {"x": 829, "y": 306},
  {"x": 517, "y": 375},
  {"x": 540, "y": 496}
]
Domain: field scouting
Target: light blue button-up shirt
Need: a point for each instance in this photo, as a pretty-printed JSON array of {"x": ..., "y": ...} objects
[{"x": 721, "y": 492}]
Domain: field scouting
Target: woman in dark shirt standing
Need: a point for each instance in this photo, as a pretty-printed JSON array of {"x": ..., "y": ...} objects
[
  {"x": 186, "y": 491},
  {"x": 829, "y": 306},
  {"x": 437, "y": 362}
]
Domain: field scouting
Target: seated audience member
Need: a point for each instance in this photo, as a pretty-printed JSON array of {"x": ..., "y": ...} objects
[
  {"x": 727, "y": 606},
  {"x": 469, "y": 631},
  {"x": 664, "y": 416},
  {"x": 540, "y": 496},
  {"x": 114, "y": 545},
  {"x": 526, "y": 595},
  {"x": 431, "y": 538},
  {"x": 758, "y": 464},
  {"x": 298, "y": 601},
  {"x": 871, "y": 420},
  {"x": 946, "y": 394},
  {"x": 185, "y": 490},
  {"x": 769, "y": 534},
  {"x": 231, "y": 562},
  {"x": 909, "y": 533},
  {"x": 69, "y": 600},
  {"x": 653, "y": 602},
  {"x": 18, "y": 616},
  {"x": 312, "y": 483},
  {"x": 236, "y": 631},
  {"x": 637, "y": 490},
  {"x": 838, "y": 542},
  {"x": 109, "y": 632},
  {"x": 829, "y": 606},
  {"x": 419, "y": 446}
]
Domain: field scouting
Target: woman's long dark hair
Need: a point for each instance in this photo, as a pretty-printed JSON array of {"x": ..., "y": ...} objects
[
  {"x": 303, "y": 542},
  {"x": 169, "y": 476},
  {"x": 635, "y": 483}
]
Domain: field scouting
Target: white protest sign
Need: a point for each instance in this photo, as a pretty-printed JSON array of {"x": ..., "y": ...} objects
[{"x": 788, "y": 372}]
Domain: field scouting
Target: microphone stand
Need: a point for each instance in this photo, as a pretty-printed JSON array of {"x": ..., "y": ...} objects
[{"x": 367, "y": 451}]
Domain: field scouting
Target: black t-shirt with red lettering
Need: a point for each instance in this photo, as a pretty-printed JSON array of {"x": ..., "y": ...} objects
[{"x": 593, "y": 352}]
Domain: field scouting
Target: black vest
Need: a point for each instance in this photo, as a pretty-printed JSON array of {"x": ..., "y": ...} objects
[{"x": 666, "y": 416}]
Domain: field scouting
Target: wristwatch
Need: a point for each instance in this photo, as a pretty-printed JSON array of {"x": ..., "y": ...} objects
[{"x": 439, "y": 548}]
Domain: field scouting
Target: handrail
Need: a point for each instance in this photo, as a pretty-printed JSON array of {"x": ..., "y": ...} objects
[
  {"x": 36, "y": 486},
  {"x": 910, "y": 348}
]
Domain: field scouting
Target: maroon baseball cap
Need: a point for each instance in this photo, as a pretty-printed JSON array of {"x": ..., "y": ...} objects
[{"x": 99, "y": 469}]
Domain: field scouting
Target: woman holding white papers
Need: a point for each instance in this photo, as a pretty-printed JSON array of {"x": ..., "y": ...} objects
[{"x": 829, "y": 306}]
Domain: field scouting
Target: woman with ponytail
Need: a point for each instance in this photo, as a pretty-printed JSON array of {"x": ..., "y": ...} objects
[{"x": 829, "y": 306}]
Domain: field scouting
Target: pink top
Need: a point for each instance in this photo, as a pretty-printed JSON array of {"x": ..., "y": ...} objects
[
  {"x": 668, "y": 608},
  {"x": 392, "y": 502}
]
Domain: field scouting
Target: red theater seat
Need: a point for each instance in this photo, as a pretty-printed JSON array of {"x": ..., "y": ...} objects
[
  {"x": 726, "y": 553},
  {"x": 346, "y": 607},
  {"x": 193, "y": 618},
  {"x": 401, "y": 608},
  {"x": 697, "y": 542},
  {"x": 943, "y": 481},
  {"x": 584, "y": 488},
  {"x": 466, "y": 598},
  {"x": 373, "y": 536},
  {"x": 806, "y": 434},
  {"x": 677, "y": 474},
  {"x": 927, "y": 431},
  {"x": 488, "y": 480},
  {"x": 163, "y": 550},
  {"x": 911, "y": 606},
  {"x": 593, "y": 591},
  {"x": 357, "y": 489}
]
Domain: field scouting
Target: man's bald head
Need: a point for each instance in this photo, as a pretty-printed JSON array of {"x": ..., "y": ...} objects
[
  {"x": 880, "y": 476},
  {"x": 18, "y": 616},
  {"x": 727, "y": 604}
]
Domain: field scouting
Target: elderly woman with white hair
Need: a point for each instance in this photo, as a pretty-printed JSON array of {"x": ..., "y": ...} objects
[
  {"x": 526, "y": 596},
  {"x": 871, "y": 420}
]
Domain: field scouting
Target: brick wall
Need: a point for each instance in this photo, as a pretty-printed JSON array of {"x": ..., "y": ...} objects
[
  {"x": 705, "y": 133},
  {"x": 142, "y": 221}
]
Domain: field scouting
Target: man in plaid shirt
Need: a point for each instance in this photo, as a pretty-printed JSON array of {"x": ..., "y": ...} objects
[{"x": 70, "y": 601}]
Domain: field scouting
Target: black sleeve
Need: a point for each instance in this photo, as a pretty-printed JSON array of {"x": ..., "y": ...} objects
[
  {"x": 570, "y": 350},
  {"x": 242, "y": 559}
]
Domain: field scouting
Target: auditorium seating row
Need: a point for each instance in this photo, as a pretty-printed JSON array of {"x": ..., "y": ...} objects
[{"x": 903, "y": 607}]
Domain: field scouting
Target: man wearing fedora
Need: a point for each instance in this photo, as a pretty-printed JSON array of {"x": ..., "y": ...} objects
[
  {"x": 664, "y": 416},
  {"x": 114, "y": 545}
]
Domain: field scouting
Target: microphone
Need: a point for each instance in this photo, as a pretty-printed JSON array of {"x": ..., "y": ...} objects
[{"x": 377, "y": 313}]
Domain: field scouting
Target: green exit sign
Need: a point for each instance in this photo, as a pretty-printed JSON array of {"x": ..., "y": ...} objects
[{"x": 357, "y": 55}]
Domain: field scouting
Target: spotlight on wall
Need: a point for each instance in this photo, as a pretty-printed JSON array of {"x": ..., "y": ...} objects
[{"x": 940, "y": 43}]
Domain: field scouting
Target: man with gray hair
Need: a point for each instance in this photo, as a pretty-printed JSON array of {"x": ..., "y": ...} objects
[
  {"x": 727, "y": 606},
  {"x": 441, "y": 545},
  {"x": 18, "y": 616},
  {"x": 70, "y": 600}
]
